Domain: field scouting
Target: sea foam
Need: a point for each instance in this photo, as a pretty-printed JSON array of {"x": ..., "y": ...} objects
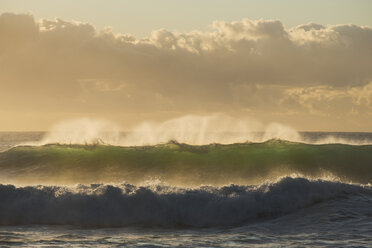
[{"x": 100, "y": 205}]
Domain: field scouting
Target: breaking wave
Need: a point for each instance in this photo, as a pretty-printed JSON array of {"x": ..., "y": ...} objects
[
  {"x": 182, "y": 164},
  {"x": 100, "y": 205}
]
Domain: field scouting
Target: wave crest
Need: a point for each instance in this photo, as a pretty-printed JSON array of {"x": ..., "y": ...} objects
[
  {"x": 102, "y": 205},
  {"x": 182, "y": 164}
]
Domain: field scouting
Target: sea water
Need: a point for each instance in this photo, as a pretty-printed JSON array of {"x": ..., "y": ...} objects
[{"x": 273, "y": 193}]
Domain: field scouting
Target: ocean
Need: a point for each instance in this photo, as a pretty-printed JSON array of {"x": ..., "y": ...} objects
[{"x": 312, "y": 192}]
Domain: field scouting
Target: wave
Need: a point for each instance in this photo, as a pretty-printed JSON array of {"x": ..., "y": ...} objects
[
  {"x": 181, "y": 164},
  {"x": 100, "y": 205}
]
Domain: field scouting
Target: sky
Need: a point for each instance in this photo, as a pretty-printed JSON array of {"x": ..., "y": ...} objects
[
  {"x": 307, "y": 64},
  {"x": 141, "y": 17}
]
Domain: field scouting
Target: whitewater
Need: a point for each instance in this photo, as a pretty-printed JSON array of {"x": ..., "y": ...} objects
[{"x": 167, "y": 185}]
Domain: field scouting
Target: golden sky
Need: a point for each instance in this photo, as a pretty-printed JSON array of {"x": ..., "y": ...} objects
[{"x": 310, "y": 76}]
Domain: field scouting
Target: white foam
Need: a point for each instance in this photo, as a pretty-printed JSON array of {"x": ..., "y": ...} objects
[{"x": 160, "y": 205}]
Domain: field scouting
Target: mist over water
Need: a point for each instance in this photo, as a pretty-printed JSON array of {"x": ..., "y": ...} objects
[
  {"x": 189, "y": 129},
  {"x": 83, "y": 131}
]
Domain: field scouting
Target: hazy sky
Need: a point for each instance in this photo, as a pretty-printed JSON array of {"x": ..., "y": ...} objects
[
  {"x": 307, "y": 64},
  {"x": 140, "y": 17}
]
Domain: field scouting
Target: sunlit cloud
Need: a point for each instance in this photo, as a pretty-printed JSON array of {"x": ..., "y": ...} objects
[{"x": 260, "y": 66}]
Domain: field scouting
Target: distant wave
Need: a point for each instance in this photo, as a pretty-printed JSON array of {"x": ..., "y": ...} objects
[
  {"x": 100, "y": 205},
  {"x": 182, "y": 164}
]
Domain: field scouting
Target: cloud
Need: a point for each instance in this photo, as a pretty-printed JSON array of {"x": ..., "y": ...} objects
[
  {"x": 322, "y": 100},
  {"x": 254, "y": 66}
]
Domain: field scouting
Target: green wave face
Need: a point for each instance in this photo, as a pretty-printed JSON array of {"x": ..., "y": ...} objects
[{"x": 182, "y": 164}]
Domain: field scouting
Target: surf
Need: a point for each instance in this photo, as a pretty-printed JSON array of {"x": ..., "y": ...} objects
[
  {"x": 182, "y": 164},
  {"x": 107, "y": 205}
]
